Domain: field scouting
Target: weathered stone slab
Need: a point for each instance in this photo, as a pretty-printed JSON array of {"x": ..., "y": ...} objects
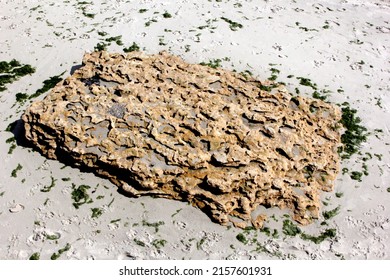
[{"x": 156, "y": 125}]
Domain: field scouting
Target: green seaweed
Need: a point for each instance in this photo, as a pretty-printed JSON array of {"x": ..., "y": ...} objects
[
  {"x": 139, "y": 242},
  {"x": 84, "y": 3},
  {"x": 356, "y": 175},
  {"x": 167, "y": 15},
  {"x": 35, "y": 8},
  {"x": 83, "y": 9},
  {"x": 116, "y": 39},
  {"x": 12, "y": 142},
  {"x": 200, "y": 243},
  {"x": 101, "y": 46},
  {"x": 232, "y": 24},
  {"x": 331, "y": 213},
  {"x": 96, "y": 212},
  {"x": 148, "y": 23},
  {"x": 242, "y": 238},
  {"x": 365, "y": 169},
  {"x": 378, "y": 156},
  {"x": 274, "y": 74},
  {"x": 266, "y": 231},
  {"x": 266, "y": 88},
  {"x": 317, "y": 95},
  {"x": 111, "y": 202},
  {"x": 308, "y": 29},
  {"x": 328, "y": 233},
  {"x": 289, "y": 228},
  {"x": 261, "y": 248},
  {"x": 47, "y": 85},
  {"x": 339, "y": 194},
  {"x": 155, "y": 225},
  {"x": 177, "y": 212},
  {"x": 21, "y": 97},
  {"x": 52, "y": 237},
  {"x": 132, "y": 48},
  {"x": 60, "y": 252},
  {"x": 246, "y": 74},
  {"x": 15, "y": 171},
  {"x": 215, "y": 63},
  {"x": 159, "y": 243},
  {"x": 89, "y": 15},
  {"x": 48, "y": 188},
  {"x": 80, "y": 195},
  {"x": 12, "y": 71},
  {"x": 307, "y": 82},
  {"x": 161, "y": 42},
  {"x": 102, "y": 33},
  {"x": 34, "y": 257},
  {"x": 354, "y": 135}
]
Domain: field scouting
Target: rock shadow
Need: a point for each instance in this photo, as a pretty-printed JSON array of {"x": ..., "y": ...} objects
[
  {"x": 75, "y": 68},
  {"x": 19, "y": 132}
]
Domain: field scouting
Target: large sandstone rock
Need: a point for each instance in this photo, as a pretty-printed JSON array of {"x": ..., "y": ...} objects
[{"x": 156, "y": 125}]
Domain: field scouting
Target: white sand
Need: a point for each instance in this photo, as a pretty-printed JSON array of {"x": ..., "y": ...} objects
[{"x": 352, "y": 54}]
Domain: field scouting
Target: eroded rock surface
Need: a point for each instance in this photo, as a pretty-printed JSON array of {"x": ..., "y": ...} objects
[{"x": 156, "y": 125}]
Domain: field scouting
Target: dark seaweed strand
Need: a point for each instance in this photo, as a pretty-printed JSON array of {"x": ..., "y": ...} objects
[{"x": 354, "y": 135}]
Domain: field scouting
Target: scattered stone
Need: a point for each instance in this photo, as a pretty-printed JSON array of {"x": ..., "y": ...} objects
[{"x": 156, "y": 125}]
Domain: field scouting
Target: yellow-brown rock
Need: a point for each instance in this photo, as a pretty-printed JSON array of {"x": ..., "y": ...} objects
[{"x": 156, "y": 125}]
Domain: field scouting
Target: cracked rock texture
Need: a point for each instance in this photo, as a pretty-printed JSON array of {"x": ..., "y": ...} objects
[{"x": 156, "y": 125}]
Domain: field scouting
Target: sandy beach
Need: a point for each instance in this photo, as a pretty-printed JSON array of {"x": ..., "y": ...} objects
[{"x": 340, "y": 46}]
